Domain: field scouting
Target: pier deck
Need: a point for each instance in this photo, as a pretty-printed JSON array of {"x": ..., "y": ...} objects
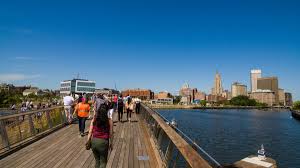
[{"x": 65, "y": 148}]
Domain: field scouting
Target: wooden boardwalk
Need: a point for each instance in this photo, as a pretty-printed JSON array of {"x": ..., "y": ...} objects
[{"x": 132, "y": 148}]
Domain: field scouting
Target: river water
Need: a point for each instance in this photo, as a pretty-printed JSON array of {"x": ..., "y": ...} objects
[{"x": 231, "y": 135}]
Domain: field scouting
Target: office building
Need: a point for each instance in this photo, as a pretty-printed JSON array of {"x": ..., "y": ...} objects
[
  {"x": 288, "y": 99},
  {"x": 77, "y": 86},
  {"x": 264, "y": 96},
  {"x": 143, "y": 94},
  {"x": 217, "y": 89},
  {"x": 238, "y": 89},
  {"x": 255, "y": 74},
  {"x": 269, "y": 83},
  {"x": 162, "y": 95},
  {"x": 281, "y": 97}
]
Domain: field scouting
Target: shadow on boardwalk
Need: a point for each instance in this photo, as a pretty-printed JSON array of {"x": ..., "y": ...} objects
[{"x": 65, "y": 148}]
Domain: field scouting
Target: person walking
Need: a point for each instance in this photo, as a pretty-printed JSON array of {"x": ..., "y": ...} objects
[
  {"x": 120, "y": 109},
  {"x": 129, "y": 108},
  {"x": 115, "y": 102},
  {"x": 101, "y": 132},
  {"x": 137, "y": 106},
  {"x": 68, "y": 103},
  {"x": 82, "y": 110}
]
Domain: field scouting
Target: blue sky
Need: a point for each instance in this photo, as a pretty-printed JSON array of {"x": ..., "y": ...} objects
[{"x": 150, "y": 44}]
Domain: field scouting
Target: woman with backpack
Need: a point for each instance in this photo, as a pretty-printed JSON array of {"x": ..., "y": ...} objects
[{"x": 101, "y": 131}]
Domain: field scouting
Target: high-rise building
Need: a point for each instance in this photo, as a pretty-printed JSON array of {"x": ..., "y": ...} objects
[
  {"x": 238, "y": 89},
  {"x": 288, "y": 99},
  {"x": 281, "y": 97},
  {"x": 269, "y": 83},
  {"x": 217, "y": 89},
  {"x": 255, "y": 74}
]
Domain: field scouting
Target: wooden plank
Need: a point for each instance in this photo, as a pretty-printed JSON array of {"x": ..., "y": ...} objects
[
  {"x": 152, "y": 158},
  {"x": 127, "y": 141},
  {"x": 38, "y": 145},
  {"x": 122, "y": 153},
  {"x": 135, "y": 146},
  {"x": 61, "y": 147},
  {"x": 37, "y": 153},
  {"x": 140, "y": 150},
  {"x": 88, "y": 162},
  {"x": 118, "y": 147},
  {"x": 144, "y": 151},
  {"x": 53, "y": 159},
  {"x": 131, "y": 147},
  {"x": 115, "y": 146}
]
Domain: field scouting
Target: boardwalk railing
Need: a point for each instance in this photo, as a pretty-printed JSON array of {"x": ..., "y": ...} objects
[
  {"x": 18, "y": 128},
  {"x": 175, "y": 148}
]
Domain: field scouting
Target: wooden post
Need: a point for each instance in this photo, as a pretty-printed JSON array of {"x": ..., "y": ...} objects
[
  {"x": 5, "y": 140},
  {"x": 50, "y": 125},
  {"x": 31, "y": 125},
  {"x": 18, "y": 125},
  {"x": 160, "y": 137},
  {"x": 62, "y": 116}
]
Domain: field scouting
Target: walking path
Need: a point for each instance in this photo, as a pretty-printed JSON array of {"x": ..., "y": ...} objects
[{"x": 65, "y": 148}]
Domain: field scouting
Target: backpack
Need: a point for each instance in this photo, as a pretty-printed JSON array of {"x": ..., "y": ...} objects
[
  {"x": 101, "y": 119},
  {"x": 120, "y": 103}
]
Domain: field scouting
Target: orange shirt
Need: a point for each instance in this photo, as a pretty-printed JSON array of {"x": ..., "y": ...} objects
[{"x": 83, "y": 109}]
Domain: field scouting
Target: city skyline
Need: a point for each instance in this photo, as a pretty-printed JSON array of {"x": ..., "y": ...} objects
[{"x": 151, "y": 45}]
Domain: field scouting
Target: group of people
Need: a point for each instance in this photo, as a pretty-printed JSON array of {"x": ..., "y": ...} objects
[{"x": 100, "y": 134}]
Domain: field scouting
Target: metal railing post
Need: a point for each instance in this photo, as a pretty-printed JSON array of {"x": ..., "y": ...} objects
[{"x": 5, "y": 140}]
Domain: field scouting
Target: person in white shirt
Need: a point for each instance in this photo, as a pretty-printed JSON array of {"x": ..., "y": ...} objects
[{"x": 68, "y": 103}]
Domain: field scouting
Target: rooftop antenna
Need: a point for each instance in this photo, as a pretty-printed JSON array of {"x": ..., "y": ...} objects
[{"x": 77, "y": 75}]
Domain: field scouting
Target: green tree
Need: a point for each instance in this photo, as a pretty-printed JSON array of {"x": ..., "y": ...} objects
[
  {"x": 296, "y": 105},
  {"x": 177, "y": 99},
  {"x": 203, "y": 103},
  {"x": 243, "y": 101}
]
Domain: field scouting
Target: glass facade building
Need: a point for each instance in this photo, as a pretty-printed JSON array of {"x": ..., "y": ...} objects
[{"x": 77, "y": 86}]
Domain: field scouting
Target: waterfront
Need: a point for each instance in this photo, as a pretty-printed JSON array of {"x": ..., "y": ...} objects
[{"x": 231, "y": 135}]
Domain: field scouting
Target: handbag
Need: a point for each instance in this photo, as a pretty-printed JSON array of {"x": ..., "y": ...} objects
[{"x": 88, "y": 144}]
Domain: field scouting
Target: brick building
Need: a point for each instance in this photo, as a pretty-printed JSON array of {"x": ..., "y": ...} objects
[{"x": 143, "y": 94}]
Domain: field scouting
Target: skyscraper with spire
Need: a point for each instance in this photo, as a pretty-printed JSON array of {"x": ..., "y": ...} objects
[{"x": 217, "y": 89}]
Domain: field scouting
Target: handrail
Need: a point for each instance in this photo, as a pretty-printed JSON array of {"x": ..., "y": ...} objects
[
  {"x": 28, "y": 112},
  {"x": 18, "y": 128},
  {"x": 188, "y": 138},
  {"x": 159, "y": 128}
]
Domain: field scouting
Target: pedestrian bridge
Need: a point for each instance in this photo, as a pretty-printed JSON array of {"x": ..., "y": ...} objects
[{"x": 41, "y": 139}]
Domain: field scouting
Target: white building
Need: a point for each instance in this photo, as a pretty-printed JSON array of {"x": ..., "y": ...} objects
[
  {"x": 255, "y": 74},
  {"x": 77, "y": 86}
]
